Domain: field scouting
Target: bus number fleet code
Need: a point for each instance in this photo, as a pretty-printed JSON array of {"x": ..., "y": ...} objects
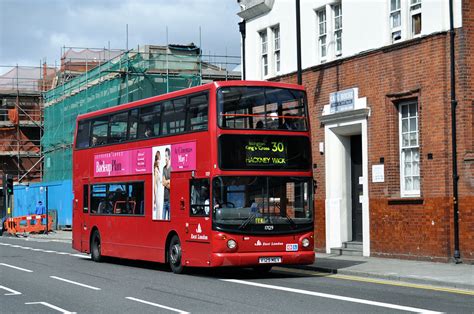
[
  {"x": 139, "y": 161},
  {"x": 259, "y": 153}
]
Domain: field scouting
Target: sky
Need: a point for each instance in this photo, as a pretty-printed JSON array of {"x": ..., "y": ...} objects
[{"x": 34, "y": 30}]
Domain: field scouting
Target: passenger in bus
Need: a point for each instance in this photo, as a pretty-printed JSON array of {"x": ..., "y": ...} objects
[
  {"x": 94, "y": 141},
  {"x": 148, "y": 132},
  {"x": 259, "y": 125},
  {"x": 273, "y": 123},
  {"x": 288, "y": 123},
  {"x": 105, "y": 207},
  {"x": 166, "y": 184},
  {"x": 119, "y": 201}
]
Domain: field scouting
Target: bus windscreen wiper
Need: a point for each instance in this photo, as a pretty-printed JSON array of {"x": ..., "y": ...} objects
[
  {"x": 292, "y": 223},
  {"x": 246, "y": 222}
]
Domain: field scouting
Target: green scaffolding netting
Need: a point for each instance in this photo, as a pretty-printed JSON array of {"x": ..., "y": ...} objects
[{"x": 129, "y": 77}]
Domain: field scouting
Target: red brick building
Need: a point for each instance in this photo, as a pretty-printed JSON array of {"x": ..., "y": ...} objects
[{"x": 384, "y": 164}]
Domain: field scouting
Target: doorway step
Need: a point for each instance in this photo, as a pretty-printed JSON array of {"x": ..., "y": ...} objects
[{"x": 351, "y": 248}]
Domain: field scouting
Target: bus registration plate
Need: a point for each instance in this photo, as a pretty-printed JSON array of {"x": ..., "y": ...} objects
[{"x": 269, "y": 260}]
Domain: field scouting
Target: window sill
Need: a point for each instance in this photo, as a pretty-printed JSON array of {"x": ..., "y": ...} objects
[{"x": 415, "y": 200}]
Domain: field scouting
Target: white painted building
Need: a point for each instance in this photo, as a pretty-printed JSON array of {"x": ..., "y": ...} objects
[{"x": 333, "y": 29}]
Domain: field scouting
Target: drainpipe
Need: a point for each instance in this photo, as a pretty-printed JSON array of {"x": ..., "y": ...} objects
[
  {"x": 457, "y": 254},
  {"x": 298, "y": 43},
  {"x": 242, "y": 32}
]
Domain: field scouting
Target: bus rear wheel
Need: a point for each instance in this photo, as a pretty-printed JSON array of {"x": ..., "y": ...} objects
[
  {"x": 96, "y": 255},
  {"x": 174, "y": 255}
]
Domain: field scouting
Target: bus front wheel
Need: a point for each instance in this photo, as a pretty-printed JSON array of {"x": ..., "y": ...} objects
[
  {"x": 96, "y": 255},
  {"x": 174, "y": 255}
]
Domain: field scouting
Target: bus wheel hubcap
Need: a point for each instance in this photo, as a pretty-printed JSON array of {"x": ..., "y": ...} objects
[{"x": 175, "y": 254}]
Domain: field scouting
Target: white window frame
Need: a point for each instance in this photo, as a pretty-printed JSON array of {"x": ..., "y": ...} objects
[
  {"x": 415, "y": 9},
  {"x": 412, "y": 148},
  {"x": 322, "y": 38},
  {"x": 276, "y": 47},
  {"x": 337, "y": 34},
  {"x": 263, "y": 35},
  {"x": 393, "y": 12}
]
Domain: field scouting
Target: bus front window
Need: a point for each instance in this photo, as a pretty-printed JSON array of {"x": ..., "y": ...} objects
[
  {"x": 243, "y": 107},
  {"x": 246, "y": 204}
]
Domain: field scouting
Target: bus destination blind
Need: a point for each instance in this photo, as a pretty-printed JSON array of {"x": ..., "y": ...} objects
[{"x": 264, "y": 152}]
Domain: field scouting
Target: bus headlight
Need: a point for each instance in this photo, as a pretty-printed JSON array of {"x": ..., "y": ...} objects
[
  {"x": 305, "y": 242},
  {"x": 231, "y": 244}
]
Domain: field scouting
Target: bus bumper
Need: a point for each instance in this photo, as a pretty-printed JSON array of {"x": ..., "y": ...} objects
[{"x": 253, "y": 258}]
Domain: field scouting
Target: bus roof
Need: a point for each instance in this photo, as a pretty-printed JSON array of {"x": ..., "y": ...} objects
[{"x": 187, "y": 91}]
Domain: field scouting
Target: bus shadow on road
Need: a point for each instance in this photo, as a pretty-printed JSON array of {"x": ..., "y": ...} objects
[
  {"x": 246, "y": 273},
  {"x": 218, "y": 272}
]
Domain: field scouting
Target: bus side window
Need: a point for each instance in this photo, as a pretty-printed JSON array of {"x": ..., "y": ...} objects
[
  {"x": 118, "y": 128},
  {"x": 199, "y": 197},
  {"x": 99, "y": 131},
  {"x": 133, "y": 124},
  {"x": 149, "y": 121},
  {"x": 197, "y": 112},
  {"x": 82, "y": 139},
  {"x": 174, "y": 116},
  {"x": 85, "y": 198},
  {"x": 98, "y": 198}
]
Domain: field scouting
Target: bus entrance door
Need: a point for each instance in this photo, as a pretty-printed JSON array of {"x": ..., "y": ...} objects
[{"x": 80, "y": 209}]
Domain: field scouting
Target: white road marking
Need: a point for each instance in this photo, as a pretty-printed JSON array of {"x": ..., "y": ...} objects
[
  {"x": 157, "y": 305},
  {"x": 54, "y": 307},
  {"x": 81, "y": 255},
  {"x": 46, "y": 251},
  {"x": 332, "y": 296},
  {"x": 12, "y": 292},
  {"x": 15, "y": 267},
  {"x": 75, "y": 283}
]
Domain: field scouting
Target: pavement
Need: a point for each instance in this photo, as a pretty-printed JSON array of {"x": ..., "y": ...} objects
[{"x": 449, "y": 275}]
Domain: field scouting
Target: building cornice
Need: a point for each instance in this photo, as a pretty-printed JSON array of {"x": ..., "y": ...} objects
[{"x": 255, "y": 8}]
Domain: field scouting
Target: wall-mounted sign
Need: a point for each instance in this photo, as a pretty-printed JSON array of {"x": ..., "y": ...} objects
[
  {"x": 342, "y": 100},
  {"x": 136, "y": 161},
  {"x": 378, "y": 173}
]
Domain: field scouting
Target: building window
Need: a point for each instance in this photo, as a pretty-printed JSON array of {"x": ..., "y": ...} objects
[
  {"x": 322, "y": 33},
  {"x": 338, "y": 27},
  {"x": 395, "y": 20},
  {"x": 415, "y": 13},
  {"x": 409, "y": 149},
  {"x": 264, "y": 43},
  {"x": 276, "y": 47}
]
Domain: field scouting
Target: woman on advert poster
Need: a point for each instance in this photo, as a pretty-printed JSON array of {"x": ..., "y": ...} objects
[{"x": 157, "y": 186}]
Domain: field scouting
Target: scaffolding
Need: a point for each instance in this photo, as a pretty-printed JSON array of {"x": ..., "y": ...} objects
[
  {"x": 21, "y": 123},
  {"x": 123, "y": 77}
]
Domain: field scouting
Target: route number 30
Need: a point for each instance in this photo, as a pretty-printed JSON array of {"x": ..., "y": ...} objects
[{"x": 278, "y": 147}]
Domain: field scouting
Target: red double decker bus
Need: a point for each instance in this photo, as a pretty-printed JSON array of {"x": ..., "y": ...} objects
[{"x": 215, "y": 175}]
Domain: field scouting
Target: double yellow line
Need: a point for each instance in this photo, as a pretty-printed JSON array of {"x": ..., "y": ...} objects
[{"x": 371, "y": 280}]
